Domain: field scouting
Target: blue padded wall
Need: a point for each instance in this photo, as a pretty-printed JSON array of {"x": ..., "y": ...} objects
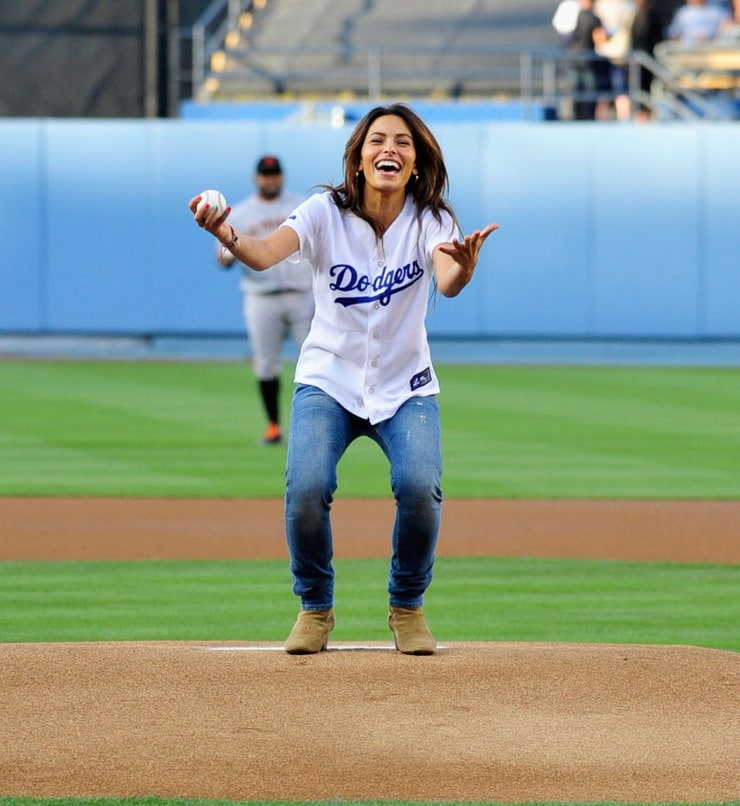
[{"x": 607, "y": 230}]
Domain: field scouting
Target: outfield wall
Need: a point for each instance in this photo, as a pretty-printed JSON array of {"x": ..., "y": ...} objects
[{"x": 607, "y": 230}]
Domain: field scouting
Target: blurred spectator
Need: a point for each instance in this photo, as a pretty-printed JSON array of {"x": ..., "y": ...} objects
[
  {"x": 730, "y": 30},
  {"x": 588, "y": 73},
  {"x": 616, "y": 18},
  {"x": 647, "y": 32},
  {"x": 697, "y": 22}
]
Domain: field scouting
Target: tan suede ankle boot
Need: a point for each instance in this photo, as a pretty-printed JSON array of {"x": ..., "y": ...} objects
[
  {"x": 411, "y": 632},
  {"x": 310, "y": 633}
]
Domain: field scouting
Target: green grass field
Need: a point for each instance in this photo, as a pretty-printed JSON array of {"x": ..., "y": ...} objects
[
  {"x": 176, "y": 429},
  {"x": 472, "y": 599}
]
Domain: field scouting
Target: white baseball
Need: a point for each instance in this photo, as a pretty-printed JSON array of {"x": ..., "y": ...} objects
[{"x": 214, "y": 199}]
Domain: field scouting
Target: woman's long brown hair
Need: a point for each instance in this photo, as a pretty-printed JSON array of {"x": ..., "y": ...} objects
[{"x": 428, "y": 186}]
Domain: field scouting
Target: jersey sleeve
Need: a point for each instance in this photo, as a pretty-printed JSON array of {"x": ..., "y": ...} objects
[
  {"x": 436, "y": 232},
  {"x": 307, "y": 220}
]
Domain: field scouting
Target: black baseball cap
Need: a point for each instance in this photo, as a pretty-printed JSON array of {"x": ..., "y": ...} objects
[{"x": 269, "y": 165}]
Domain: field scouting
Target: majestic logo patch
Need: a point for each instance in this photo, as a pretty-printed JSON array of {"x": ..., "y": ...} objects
[
  {"x": 421, "y": 379},
  {"x": 384, "y": 286}
]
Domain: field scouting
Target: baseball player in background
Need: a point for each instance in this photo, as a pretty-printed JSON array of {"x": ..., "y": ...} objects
[{"x": 277, "y": 303}]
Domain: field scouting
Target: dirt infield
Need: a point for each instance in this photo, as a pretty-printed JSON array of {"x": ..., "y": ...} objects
[
  {"x": 121, "y": 528},
  {"x": 493, "y": 721}
]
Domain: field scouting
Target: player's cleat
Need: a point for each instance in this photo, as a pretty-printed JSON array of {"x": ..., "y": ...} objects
[
  {"x": 410, "y": 631},
  {"x": 310, "y": 633},
  {"x": 273, "y": 435}
]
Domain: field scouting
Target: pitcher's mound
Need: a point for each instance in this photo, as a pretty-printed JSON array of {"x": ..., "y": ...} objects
[{"x": 501, "y": 722}]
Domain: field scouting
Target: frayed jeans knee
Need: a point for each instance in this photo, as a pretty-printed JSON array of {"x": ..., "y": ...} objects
[{"x": 321, "y": 431}]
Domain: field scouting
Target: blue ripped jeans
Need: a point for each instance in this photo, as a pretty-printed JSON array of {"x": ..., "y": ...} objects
[{"x": 320, "y": 432}]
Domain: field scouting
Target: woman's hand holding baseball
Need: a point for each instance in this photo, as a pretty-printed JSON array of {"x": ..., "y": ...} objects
[{"x": 211, "y": 219}]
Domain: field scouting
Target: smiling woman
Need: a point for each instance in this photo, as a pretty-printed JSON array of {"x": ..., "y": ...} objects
[{"x": 376, "y": 243}]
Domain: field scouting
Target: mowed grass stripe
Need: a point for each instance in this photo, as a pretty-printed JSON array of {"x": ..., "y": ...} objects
[
  {"x": 471, "y": 599},
  {"x": 180, "y": 429}
]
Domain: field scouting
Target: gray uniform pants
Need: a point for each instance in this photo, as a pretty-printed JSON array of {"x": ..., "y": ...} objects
[{"x": 270, "y": 319}]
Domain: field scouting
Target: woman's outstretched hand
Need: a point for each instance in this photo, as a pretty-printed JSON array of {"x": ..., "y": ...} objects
[
  {"x": 465, "y": 253},
  {"x": 455, "y": 270}
]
